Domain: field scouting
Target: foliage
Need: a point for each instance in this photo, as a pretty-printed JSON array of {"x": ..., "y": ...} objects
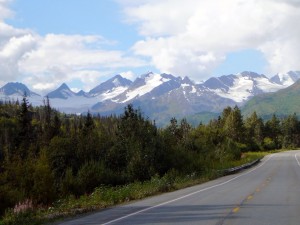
[{"x": 46, "y": 156}]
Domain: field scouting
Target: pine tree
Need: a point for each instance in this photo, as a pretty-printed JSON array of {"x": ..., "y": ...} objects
[
  {"x": 291, "y": 131},
  {"x": 273, "y": 131},
  {"x": 234, "y": 125},
  {"x": 255, "y": 131},
  {"x": 25, "y": 130}
]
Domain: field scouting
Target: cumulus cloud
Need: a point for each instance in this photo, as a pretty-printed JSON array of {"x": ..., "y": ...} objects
[
  {"x": 11, "y": 52},
  {"x": 13, "y": 44},
  {"x": 59, "y": 58},
  {"x": 128, "y": 75},
  {"x": 188, "y": 37},
  {"x": 193, "y": 37},
  {"x": 5, "y": 12},
  {"x": 44, "y": 62},
  {"x": 64, "y": 51}
]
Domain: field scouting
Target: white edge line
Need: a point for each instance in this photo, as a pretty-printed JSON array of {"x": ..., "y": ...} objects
[
  {"x": 196, "y": 192},
  {"x": 297, "y": 159}
]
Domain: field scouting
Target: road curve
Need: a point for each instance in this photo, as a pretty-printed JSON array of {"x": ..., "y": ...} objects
[{"x": 266, "y": 194}]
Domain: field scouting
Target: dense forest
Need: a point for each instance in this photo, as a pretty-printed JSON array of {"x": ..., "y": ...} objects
[{"x": 46, "y": 155}]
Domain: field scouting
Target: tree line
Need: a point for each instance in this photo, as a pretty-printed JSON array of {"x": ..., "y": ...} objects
[{"x": 46, "y": 155}]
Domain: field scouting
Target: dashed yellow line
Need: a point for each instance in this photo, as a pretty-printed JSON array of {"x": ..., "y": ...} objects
[
  {"x": 236, "y": 209},
  {"x": 249, "y": 197}
]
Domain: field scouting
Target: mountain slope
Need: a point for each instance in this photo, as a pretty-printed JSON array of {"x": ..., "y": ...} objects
[
  {"x": 117, "y": 82},
  {"x": 283, "y": 102},
  {"x": 149, "y": 85},
  {"x": 160, "y": 96},
  {"x": 17, "y": 89},
  {"x": 63, "y": 92},
  {"x": 286, "y": 79},
  {"x": 241, "y": 87}
]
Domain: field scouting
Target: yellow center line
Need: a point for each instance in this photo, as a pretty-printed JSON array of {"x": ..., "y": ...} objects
[{"x": 236, "y": 209}]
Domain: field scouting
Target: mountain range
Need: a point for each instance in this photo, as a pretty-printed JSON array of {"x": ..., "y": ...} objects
[
  {"x": 282, "y": 103},
  {"x": 160, "y": 96}
]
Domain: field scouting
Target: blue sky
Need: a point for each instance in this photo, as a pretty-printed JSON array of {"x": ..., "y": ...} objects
[
  {"x": 92, "y": 17},
  {"x": 82, "y": 43}
]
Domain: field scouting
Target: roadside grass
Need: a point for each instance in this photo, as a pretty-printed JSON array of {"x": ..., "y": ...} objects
[
  {"x": 104, "y": 196},
  {"x": 246, "y": 158}
]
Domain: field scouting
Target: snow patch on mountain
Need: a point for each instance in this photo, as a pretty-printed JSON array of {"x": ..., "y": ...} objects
[
  {"x": 241, "y": 87},
  {"x": 113, "y": 85},
  {"x": 112, "y": 93},
  {"x": 239, "y": 92},
  {"x": 286, "y": 79},
  {"x": 155, "y": 91},
  {"x": 151, "y": 81}
]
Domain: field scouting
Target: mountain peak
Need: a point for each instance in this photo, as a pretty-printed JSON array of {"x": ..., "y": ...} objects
[
  {"x": 286, "y": 79},
  {"x": 251, "y": 74},
  {"x": 114, "y": 82},
  {"x": 187, "y": 80},
  {"x": 82, "y": 93},
  {"x": 145, "y": 75},
  {"x": 64, "y": 86},
  {"x": 20, "y": 89},
  {"x": 63, "y": 92}
]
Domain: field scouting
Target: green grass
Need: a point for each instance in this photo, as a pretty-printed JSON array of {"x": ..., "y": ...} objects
[{"x": 104, "y": 197}]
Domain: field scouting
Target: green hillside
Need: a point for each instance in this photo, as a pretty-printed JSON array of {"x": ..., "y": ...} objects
[
  {"x": 202, "y": 117},
  {"x": 283, "y": 102}
]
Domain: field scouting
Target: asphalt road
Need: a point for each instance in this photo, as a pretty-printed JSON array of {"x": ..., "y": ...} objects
[{"x": 267, "y": 194}]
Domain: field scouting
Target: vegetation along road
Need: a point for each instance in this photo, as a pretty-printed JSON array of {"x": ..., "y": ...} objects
[{"x": 268, "y": 193}]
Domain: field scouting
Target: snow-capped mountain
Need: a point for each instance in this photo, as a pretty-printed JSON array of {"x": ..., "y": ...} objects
[
  {"x": 149, "y": 85},
  {"x": 286, "y": 79},
  {"x": 111, "y": 85},
  {"x": 160, "y": 96},
  {"x": 110, "y": 88},
  {"x": 241, "y": 87}
]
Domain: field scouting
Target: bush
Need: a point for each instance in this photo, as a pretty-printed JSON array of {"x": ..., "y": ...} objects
[
  {"x": 269, "y": 144},
  {"x": 22, "y": 218},
  {"x": 90, "y": 176}
]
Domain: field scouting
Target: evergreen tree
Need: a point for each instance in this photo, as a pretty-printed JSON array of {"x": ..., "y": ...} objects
[
  {"x": 25, "y": 128},
  {"x": 88, "y": 124},
  {"x": 254, "y": 131},
  {"x": 234, "y": 125},
  {"x": 291, "y": 131},
  {"x": 273, "y": 133}
]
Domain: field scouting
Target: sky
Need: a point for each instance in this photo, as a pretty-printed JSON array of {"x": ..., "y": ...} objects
[{"x": 85, "y": 42}]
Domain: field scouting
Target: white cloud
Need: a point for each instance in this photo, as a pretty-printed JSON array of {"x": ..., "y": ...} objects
[
  {"x": 128, "y": 75},
  {"x": 61, "y": 58},
  {"x": 192, "y": 37},
  {"x": 10, "y": 53},
  {"x": 5, "y": 12},
  {"x": 44, "y": 62},
  {"x": 73, "y": 53},
  {"x": 188, "y": 37},
  {"x": 13, "y": 44}
]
